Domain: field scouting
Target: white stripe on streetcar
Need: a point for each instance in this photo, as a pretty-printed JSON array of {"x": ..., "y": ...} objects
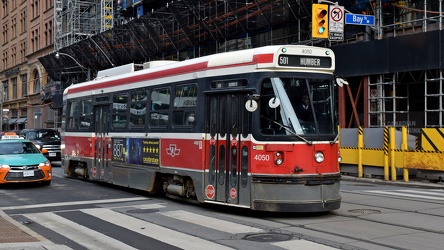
[
  {"x": 78, "y": 233},
  {"x": 163, "y": 234},
  {"x": 216, "y": 224}
]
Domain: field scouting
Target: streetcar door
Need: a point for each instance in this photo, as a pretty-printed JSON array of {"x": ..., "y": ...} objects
[
  {"x": 222, "y": 176},
  {"x": 101, "y": 143}
]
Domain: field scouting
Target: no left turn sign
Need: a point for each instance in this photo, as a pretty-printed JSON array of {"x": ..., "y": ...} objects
[{"x": 336, "y": 23}]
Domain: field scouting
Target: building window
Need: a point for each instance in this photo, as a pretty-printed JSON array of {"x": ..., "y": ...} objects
[
  {"x": 36, "y": 81},
  {"x": 14, "y": 56},
  {"x": 5, "y": 60},
  {"x": 14, "y": 27},
  {"x": 24, "y": 79},
  {"x": 23, "y": 20},
  {"x": 14, "y": 88},
  {"x": 5, "y": 8},
  {"x": 22, "y": 51},
  {"x": 5, "y": 33},
  {"x": 5, "y": 90}
]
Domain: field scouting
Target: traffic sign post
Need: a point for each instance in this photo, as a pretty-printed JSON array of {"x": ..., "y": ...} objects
[
  {"x": 357, "y": 19},
  {"x": 336, "y": 23}
]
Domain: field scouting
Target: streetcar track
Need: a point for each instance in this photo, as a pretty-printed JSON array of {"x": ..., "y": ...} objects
[
  {"x": 404, "y": 198},
  {"x": 345, "y": 245},
  {"x": 330, "y": 243}
]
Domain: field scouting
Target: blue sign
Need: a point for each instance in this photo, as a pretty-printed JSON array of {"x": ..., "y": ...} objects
[{"x": 358, "y": 19}]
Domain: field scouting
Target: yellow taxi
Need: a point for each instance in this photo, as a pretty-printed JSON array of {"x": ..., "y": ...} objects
[{"x": 21, "y": 161}]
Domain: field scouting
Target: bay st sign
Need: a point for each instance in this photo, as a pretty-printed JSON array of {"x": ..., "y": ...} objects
[{"x": 358, "y": 19}]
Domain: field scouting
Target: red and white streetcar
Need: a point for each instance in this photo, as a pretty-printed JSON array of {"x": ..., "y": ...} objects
[{"x": 221, "y": 129}]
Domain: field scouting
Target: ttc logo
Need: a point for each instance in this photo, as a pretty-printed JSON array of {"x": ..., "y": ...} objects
[{"x": 173, "y": 150}]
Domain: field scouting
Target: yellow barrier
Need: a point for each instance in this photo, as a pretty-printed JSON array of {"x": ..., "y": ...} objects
[{"x": 391, "y": 158}]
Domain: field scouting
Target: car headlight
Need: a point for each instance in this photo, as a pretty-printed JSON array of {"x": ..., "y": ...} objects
[
  {"x": 5, "y": 166},
  {"x": 45, "y": 164},
  {"x": 319, "y": 157},
  {"x": 38, "y": 146}
]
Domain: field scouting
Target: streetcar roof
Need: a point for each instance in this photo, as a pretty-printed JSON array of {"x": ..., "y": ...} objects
[{"x": 262, "y": 57}]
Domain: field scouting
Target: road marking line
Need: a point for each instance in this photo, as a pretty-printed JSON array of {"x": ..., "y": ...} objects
[
  {"x": 216, "y": 224},
  {"x": 404, "y": 195},
  {"x": 302, "y": 244},
  {"x": 80, "y": 234},
  {"x": 73, "y": 203},
  {"x": 151, "y": 230}
]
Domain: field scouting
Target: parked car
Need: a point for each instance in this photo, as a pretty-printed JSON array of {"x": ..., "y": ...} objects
[
  {"x": 44, "y": 138},
  {"x": 21, "y": 161}
]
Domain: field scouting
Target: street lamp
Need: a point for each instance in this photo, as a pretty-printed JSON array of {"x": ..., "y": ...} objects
[{"x": 58, "y": 54}]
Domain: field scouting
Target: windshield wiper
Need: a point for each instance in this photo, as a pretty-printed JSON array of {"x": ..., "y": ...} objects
[
  {"x": 335, "y": 140},
  {"x": 288, "y": 129}
]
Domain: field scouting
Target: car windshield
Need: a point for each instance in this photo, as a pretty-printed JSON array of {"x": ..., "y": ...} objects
[
  {"x": 8, "y": 148},
  {"x": 38, "y": 135}
]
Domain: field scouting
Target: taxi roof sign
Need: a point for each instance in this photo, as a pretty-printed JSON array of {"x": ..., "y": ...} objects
[{"x": 11, "y": 136}]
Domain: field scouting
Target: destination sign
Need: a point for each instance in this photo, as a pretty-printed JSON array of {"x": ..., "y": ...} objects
[{"x": 305, "y": 61}]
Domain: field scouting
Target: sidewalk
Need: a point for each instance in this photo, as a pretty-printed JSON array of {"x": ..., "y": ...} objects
[{"x": 15, "y": 236}]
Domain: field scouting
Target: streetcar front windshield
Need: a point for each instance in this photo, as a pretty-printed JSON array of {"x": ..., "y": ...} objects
[{"x": 297, "y": 106}]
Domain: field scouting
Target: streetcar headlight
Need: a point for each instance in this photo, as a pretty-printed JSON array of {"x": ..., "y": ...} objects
[
  {"x": 319, "y": 157},
  {"x": 339, "y": 158},
  {"x": 279, "y": 158}
]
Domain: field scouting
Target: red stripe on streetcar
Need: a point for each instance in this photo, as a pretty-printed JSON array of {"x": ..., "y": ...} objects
[
  {"x": 144, "y": 77},
  {"x": 261, "y": 58}
]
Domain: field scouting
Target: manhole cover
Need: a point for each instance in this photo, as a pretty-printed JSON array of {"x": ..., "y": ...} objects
[
  {"x": 268, "y": 237},
  {"x": 143, "y": 211},
  {"x": 365, "y": 211}
]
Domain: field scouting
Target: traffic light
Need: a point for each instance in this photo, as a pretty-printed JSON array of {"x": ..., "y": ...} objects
[{"x": 319, "y": 21}]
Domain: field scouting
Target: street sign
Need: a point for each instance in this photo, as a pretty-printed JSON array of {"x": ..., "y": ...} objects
[
  {"x": 357, "y": 19},
  {"x": 336, "y": 23}
]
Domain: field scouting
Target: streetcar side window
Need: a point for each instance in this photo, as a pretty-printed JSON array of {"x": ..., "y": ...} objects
[
  {"x": 119, "y": 111},
  {"x": 86, "y": 113},
  {"x": 73, "y": 114},
  {"x": 160, "y": 104},
  {"x": 138, "y": 109},
  {"x": 185, "y": 102}
]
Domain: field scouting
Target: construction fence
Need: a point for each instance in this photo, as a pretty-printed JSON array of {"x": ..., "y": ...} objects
[{"x": 387, "y": 152}]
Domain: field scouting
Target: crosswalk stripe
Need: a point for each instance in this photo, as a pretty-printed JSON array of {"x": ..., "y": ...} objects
[
  {"x": 73, "y": 203},
  {"x": 213, "y": 223},
  {"x": 302, "y": 244},
  {"x": 163, "y": 234},
  {"x": 397, "y": 193},
  {"x": 88, "y": 238}
]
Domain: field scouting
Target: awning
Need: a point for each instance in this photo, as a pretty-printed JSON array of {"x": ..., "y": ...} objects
[
  {"x": 12, "y": 121},
  {"x": 21, "y": 120}
]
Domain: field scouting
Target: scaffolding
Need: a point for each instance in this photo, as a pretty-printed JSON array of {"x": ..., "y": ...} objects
[{"x": 76, "y": 20}]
